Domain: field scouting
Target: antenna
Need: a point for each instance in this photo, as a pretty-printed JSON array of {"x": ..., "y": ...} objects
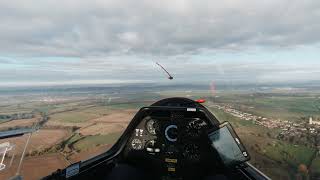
[{"x": 170, "y": 77}]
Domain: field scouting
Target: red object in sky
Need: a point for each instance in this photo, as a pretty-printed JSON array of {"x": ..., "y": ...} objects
[
  {"x": 200, "y": 100},
  {"x": 213, "y": 88}
]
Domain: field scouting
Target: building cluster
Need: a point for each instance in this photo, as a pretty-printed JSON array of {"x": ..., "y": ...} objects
[
  {"x": 260, "y": 120},
  {"x": 53, "y": 99},
  {"x": 313, "y": 122},
  {"x": 287, "y": 127},
  {"x": 304, "y": 132},
  {"x": 229, "y": 109}
]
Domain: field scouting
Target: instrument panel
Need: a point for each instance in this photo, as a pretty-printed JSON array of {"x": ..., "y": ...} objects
[
  {"x": 152, "y": 129},
  {"x": 174, "y": 141}
]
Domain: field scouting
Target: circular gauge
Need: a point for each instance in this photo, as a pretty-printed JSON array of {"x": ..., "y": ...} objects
[
  {"x": 191, "y": 152},
  {"x": 194, "y": 128},
  {"x": 136, "y": 144},
  {"x": 171, "y": 133},
  {"x": 151, "y": 126}
]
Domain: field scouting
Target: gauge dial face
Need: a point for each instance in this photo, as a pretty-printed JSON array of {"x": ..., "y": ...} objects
[
  {"x": 194, "y": 128},
  {"x": 171, "y": 133},
  {"x": 192, "y": 152},
  {"x": 151, "y": 126},
  {"x": 136, "y": 144}
]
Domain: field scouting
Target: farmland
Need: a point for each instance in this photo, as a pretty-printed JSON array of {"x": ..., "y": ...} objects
[
  {"x": 283, "y": 106},
  {"x": 36, "y": 166},
  {"x": 81, "y": 127},
  {"x": 266, "y": 150}
]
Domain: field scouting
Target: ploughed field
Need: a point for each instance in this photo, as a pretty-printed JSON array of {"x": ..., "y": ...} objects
[
  {"x": 36, "y": 163},
  {"x": 39, "y": 141},
  {"x": 36, "y": 167},
  {"x": 18, "y": 123}
]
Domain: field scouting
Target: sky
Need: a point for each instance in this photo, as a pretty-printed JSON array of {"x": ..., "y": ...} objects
[{"x": 118, "y": 41}]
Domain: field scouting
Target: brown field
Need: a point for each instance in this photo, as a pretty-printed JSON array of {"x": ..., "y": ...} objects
[
  {"x": 115, "y": 122},
  {"x": 19, "y": 123},
  {"x": 117, "y": 116},
  {"x": 65, "y": 124},
  {"x": 36, "y": 167},
  {"x": 55, "y": 131},
  {"x": 44, "y": 138},
  {"x": 102, "y": 128}
]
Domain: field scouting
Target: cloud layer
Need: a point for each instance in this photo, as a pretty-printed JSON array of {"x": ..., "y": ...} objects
[
  {"x": 99, "y": 28},
  {"x": 98, "y": 39}
]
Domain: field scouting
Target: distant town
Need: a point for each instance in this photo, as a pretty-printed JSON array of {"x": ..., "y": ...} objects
[{"x": 306, "y": 132}]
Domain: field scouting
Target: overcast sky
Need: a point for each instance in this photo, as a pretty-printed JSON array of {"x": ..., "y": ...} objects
[{"x": 101, "y": 41}]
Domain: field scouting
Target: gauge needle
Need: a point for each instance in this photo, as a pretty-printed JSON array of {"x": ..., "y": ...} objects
[{"x": 170, "y": 77}]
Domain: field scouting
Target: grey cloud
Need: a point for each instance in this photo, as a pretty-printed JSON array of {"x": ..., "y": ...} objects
[
  {"x": 5, "y": 61},
  {"x": 122, "y": 39},
  {"x": 166, "y": 28}
]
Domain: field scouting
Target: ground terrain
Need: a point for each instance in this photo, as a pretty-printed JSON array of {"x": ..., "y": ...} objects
[{"x": 81, "y": 127}]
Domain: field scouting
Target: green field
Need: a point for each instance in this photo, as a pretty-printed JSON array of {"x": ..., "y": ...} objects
[
  {"x": 263, "y": 146},
  {"x": 79, "y": 143},
  {"x": 18, "y": 108},
  {"x": 99, "y": 110},
  {"x": 283, "y": 106},
  {"x": 136, "y": 105},
  {"x": 293, "y": 155},
  {"x": 315, "y": 167},
  {"x": 74, "y": 138},
  {"x": 73, "y": 116},
  {"x": 273, "y": 105},
  {"x": 84, "y": 113},
  {"x": 96, "y": 140}
]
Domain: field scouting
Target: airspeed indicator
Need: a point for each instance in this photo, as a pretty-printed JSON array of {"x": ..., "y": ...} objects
[{"x": 151, "y": 126}]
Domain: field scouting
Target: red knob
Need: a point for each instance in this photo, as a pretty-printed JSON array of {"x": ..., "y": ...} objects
[{"x": 200, "y": 100}]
